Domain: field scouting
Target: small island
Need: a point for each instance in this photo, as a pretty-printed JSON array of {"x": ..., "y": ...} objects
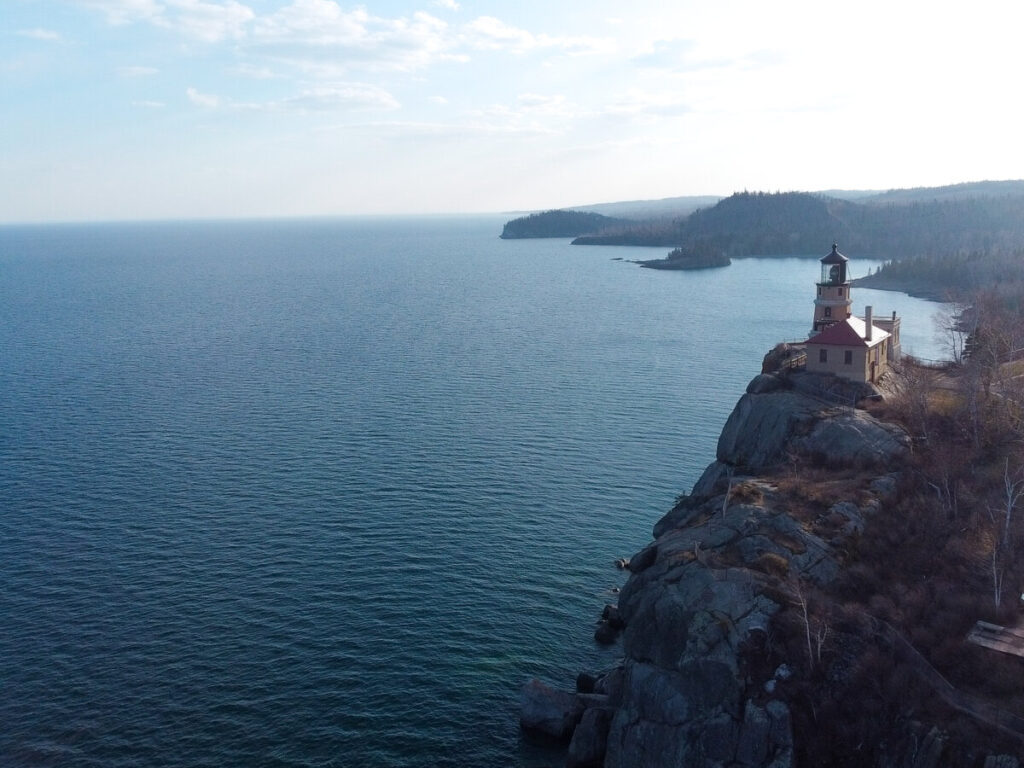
[{"x": 698, "y": 257}]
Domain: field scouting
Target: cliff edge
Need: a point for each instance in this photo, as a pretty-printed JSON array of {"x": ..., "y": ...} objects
[{"x": 726, "y": 642}]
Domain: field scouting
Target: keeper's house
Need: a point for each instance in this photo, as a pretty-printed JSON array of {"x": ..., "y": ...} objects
[{"x": 847, "y": 346}]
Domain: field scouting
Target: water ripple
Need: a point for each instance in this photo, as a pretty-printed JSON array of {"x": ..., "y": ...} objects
[{"x": 325, "y": 494}]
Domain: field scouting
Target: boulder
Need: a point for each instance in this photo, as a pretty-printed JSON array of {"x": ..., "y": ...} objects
[
  {"x": 1001, "y": 761},
  {"x": 585, "y": 682},
  {"x": 644, "y": 559},
  {"x": 548, "y": 712},
  {"x": 611, "y": 685},
  {"x": 753, "y": 743},
  {"x": 612, "y": 616},
  {"x": 718, "y": 738},
  {"x": 781, "y": 731},
  {"x": 763, "y": 383},
  {"x": 760, "y": 428},
  {"x": 929, "y": 754},
  {"x": 686, "y": 507},
  {"x": 605, "y": 633},
  {"x": 590, "y": 739},
  {"x": 707, "y": 485},
  {"x": 885, "y": 486},
  {"x": 849, "y": 517},
  {"x": 855, "y": 438}
]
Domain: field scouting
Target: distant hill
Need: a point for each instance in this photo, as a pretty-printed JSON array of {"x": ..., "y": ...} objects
[
  {"x": 557, "y": 224},
  {"x": 952, "y": 192},
  {"x": 939, "y": 241},
  {"x": 668, "y": 207},
  {"x": 794, "y": 223},
  {"x": 746, "y": 223}
]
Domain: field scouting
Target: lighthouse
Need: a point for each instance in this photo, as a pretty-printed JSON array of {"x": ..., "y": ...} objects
[{"x": 832, "y": 304}]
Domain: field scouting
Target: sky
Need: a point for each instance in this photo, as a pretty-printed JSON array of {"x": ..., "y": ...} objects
[{"x": 166, "y": 109}]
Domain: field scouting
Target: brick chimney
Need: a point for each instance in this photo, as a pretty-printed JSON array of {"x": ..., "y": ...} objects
[{"x": 867, "y": 323}]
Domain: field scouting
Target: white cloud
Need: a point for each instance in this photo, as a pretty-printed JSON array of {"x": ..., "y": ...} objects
[
  {"x": 38, "y": 33},
  {"x": 126, "y": 11},
  {"x": 255, "y": 72},
  {"x": 459, "y": 131},
  {"x": 317, "y": 35},
  {"x": 137, "y": 71},
  {"x": 537, "y": 104},
  {"x": 203, "y": 20},
  {"x": 487, "y": 32},
  {"x": 338, "y": 97},
  {"x": 202, "y": 99},
  {"x": 346, "y": 97},
  {"x": 439, "y": 100},
  {"x": 450, "y": 5},
  {"x": 664, "y": 54},
  {"x": 207, "y": 21},
  {"x": 490, "y": 33},
  {"x": 640, "y": 103}
]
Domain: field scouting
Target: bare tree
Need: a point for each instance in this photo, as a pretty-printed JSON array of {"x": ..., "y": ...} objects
[
  {"x": 815, "y": 632},
  {"x": 953, "y": 325},
  {"x": 913, "y": 386},
  {"x": 728, "y": 490},
  {"x": 1002, "y": 518}
]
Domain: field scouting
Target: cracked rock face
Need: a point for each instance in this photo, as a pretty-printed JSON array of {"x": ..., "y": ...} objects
[
  {"x": 687, "y": 613},
  {"x": 770, "y": 421},
  {"x": 698, "y": 593},
  {"x": 706, "y": 587}
]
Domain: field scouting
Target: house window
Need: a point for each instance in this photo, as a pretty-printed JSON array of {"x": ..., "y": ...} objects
[
  {"x": 822, "y": 355},
  {"x": 848, "y": 357},
  {"x": 840, "y": 293},
  {"x": 828, "y": 311}
]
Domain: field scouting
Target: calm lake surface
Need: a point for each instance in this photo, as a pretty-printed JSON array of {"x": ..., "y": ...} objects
[{"x": 326, "y": 493}]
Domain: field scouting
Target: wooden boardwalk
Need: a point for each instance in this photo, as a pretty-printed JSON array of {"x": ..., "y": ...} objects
[{"x": 1003, "y": 639}]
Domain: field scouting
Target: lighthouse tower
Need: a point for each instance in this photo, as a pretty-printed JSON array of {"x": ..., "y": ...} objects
[{"x": 832, "y": 303}]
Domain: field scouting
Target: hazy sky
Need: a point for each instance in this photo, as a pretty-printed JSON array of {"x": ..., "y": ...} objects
[{"x": 123, "y": 109}]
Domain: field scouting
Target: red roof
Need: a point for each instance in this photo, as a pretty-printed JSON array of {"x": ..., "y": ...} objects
[{"x": 849, "y": 333}]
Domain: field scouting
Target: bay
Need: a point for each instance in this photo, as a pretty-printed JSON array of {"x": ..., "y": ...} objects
[{"x": 327, "y": 492}]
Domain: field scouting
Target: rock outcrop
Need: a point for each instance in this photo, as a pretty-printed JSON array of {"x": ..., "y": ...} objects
[
  {"x": 801, "y": 414},
  {"x": 704, "y": 592}
]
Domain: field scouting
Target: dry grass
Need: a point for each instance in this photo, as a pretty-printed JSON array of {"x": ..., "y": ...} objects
[
  {"x": 747, "y": 492},
  {"x": 924, "y": 566}
]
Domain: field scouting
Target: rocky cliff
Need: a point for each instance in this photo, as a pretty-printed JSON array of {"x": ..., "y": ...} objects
[{"x": 709, "y": 667}]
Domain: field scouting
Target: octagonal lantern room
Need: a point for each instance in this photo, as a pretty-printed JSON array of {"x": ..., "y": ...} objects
[{"x": 833, "y": 268}]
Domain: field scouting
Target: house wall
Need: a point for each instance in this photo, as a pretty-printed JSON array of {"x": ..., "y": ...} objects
[
  {"x": 894, "y": 350},
  {"x": 879, "y": 354},
  {"x": 859, "y": 369}
]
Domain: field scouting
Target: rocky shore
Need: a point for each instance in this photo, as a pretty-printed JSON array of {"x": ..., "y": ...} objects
[{"x": 702, "y": 681}]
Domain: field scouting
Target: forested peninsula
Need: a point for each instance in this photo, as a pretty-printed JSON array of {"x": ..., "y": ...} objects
[
  {"x": 934, "y": 240},
  {"x": 558, "y": 224}
]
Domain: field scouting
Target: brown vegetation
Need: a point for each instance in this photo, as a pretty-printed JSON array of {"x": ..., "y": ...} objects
[{"x": 881, "y": 647}]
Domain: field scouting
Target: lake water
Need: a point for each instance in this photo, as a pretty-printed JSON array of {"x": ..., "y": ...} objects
[{"x": 326, "y": 493}]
